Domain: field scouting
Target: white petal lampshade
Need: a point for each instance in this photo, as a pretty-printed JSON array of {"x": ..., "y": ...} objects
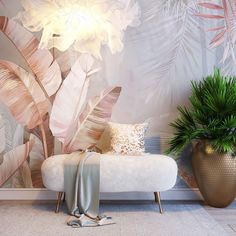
[{"x": 85, "y": 25}]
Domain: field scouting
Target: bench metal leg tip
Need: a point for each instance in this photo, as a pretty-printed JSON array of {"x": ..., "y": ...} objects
[
  {"x": 58, "y": 202},
  {"x": 158, "y": 200}
]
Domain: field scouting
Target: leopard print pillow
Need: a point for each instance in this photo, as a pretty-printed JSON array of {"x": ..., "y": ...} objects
[{"x": 127, "y": 139}]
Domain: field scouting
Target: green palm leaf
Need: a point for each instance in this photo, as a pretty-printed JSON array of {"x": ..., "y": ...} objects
[{"x": 211, "y": 116}]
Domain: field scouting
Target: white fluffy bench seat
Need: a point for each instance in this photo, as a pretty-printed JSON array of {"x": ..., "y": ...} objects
[{"x": 146, "y": 173}]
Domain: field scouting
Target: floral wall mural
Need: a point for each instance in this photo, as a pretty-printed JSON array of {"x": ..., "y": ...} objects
[{"x": 176, "y": 41}]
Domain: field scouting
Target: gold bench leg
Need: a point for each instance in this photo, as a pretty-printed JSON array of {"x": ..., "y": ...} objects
[
  {"x": 158, "y": 200},
  {"x": 58, "y": 201}
]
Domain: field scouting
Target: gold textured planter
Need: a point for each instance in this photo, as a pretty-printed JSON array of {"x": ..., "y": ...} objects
[{"x": 215, "y": 174}]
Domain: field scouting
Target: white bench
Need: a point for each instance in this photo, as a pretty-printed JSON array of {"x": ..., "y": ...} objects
[{"x": 147, "y": 173}]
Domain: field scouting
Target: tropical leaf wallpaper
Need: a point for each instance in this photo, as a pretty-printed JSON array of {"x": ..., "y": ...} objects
[{"x": 176, "y": 42}]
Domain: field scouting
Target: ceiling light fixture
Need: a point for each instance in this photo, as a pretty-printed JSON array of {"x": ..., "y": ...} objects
[{"x": 84, "y": 25}]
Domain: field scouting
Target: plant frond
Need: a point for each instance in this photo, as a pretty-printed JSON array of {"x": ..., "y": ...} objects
[{"x": 212, "y": 115}]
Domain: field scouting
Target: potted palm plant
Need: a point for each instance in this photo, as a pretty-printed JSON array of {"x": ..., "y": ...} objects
[{"x": 209, "y": 124}]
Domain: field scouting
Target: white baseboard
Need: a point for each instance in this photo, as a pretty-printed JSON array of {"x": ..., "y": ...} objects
[{"x": 44, "y": 194}]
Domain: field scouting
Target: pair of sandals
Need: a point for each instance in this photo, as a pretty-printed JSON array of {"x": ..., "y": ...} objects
[{"x": 87, "y": 221}]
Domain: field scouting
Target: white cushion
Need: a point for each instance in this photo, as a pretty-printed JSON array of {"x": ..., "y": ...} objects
[{"x": 146, "y": 173}]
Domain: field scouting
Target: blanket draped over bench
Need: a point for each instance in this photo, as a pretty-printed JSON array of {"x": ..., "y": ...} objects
[{"x": 82, "y": 188}]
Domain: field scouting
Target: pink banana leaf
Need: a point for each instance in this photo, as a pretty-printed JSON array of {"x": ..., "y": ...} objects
[
  {"x": 2, "y": 4},
  {"x": 66, "y": 60},
  {"x": 36, "y": 158},
  {"x": 46, "y": 136},
  {"x": 26, "y": 175},
  {"x": 228, "y": 32},
  {"x": 86, "y": 131},
  {"x": 3, "y": 137},
  {"x": 71, "y": 97},
  {"x": 22, "y": 95},
  {"x": 13, "y": 160},
  {"x": 46, "y": 71},
  {"x": 22, "y": 177}
]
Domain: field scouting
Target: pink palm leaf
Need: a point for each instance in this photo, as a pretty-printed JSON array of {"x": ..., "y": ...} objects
[{"x": 226, "y": 33}]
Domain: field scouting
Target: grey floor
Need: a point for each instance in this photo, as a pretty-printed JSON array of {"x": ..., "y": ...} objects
[
  {"x": 225, "y": 217},
  {"x": 132, "y": 218}
]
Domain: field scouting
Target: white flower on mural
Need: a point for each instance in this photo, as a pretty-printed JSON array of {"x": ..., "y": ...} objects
[{"x": 84, "y": 25}]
